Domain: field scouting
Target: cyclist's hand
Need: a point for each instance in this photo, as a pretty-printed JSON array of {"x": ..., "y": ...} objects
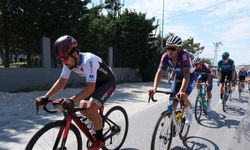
[
  {"x": 151, "y": 92},
  {"x": 41, "y": 101},
  {"x": 67, "y": 104},
  {"x": 181, "y": 95}
]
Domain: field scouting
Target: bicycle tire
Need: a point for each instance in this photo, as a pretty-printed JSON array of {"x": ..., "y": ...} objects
[
  {"x": 165, "y": 126},
  {"x": 224, "y": 99},
  {"x": 52, "y": 125},
  {"x": 113, "y": 127},
  {"x": 197, "y": 109},
  {"x": 184, "y": 128}
]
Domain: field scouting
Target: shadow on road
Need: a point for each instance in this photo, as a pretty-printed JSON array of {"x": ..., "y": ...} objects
[
  {"x": 217, "y": 120},
  {"x": 198, "y": 143}
]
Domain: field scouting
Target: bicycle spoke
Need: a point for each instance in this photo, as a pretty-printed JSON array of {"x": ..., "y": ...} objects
[
  {"x": 48, "y": 138},
  {"x": 115, "y": 127},
  {"x": 162, "y": 136}
]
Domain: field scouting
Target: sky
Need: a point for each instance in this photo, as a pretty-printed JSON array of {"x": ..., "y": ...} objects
[{"x": 207, "y": 21}]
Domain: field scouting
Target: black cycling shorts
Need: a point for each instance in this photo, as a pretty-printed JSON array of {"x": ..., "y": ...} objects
[
  {"x": 224, "y": 75},
  {"x": 242, "y": 78},
  {"x": 102, "y": 92}
]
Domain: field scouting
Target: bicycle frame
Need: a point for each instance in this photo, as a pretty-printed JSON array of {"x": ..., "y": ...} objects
[
  {"x": 202, "y": 94},
  {"x": 180, "y": 110},
  {"x": 68, "y": 117}
]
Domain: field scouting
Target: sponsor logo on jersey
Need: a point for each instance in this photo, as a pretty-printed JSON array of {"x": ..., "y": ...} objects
[
  {"x": 91, "y": 76},
  {"x": 91, "y": 67},
  {"x": 103, "y": 71}
]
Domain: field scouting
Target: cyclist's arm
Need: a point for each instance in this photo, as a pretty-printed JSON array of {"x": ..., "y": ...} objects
[
  {"x": 233, "y": 74},
  {"x": 84, "y": 93},
  {"x": 158, "y": 76},
  {"x": 185, "y": 80},
  {"x": 218, "y": 74},
  {"x": 58, "y": 85}
]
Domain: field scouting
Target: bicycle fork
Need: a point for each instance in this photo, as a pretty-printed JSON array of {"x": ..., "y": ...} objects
[{"x": 64, "y": 130}]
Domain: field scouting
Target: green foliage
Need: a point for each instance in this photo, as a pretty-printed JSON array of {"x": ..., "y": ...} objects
[{"x": 23, "y": 23}]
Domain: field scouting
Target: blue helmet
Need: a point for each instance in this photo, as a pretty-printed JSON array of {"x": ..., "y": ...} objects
[{"x": 225, "y": 55}]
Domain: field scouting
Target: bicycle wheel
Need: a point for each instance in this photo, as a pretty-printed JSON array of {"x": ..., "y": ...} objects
[
  {"x": 163, "y": 133},
  {"x": 224, "y": 100},
  {"x": 197, "y": 109},
  {"x": 48, "y": 137},
  {"x": 184, "y": 128},
  {"x": 115, "y": 128}
]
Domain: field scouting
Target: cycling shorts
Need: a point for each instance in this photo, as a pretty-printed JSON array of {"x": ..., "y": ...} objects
[
  {"x": 224, "y": 75},
  {"x": 102, "y": 92},
  {"x": 203, "y": 78},
  {"x": 176, "y": 85},
  {"x": 242, "y": 78}
]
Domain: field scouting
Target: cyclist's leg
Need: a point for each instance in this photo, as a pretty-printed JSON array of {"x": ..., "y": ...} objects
[
  {"x": 209, "y": 95},
  {"x": 187, "y": 105},
  {"x": 100, "y": 95},
  {"x": 229, "y": 78},
  {"x": 221, "y": 81}
]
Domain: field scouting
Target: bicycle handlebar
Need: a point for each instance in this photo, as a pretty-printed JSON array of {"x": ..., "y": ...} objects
[
  {"x": 151, "y": 95},
  {"x": 56, "y": 103}
]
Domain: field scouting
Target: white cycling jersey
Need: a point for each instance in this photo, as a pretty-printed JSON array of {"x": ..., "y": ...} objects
[{"x": 92, "y": 67}]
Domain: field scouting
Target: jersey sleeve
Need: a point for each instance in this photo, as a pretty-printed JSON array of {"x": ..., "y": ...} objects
[
  {"x": 186, "y": 61},
  {"x": 163, "y": 63},
  {"x": 91, "y": 67},
  {"x": 65, "y": 72},
  {"x": 233, "y": 65}
]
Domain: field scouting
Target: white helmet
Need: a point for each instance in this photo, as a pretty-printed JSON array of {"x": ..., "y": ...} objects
[{"x": 174, "y": 40}]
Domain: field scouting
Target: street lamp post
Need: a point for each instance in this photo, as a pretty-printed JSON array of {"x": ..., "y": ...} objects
[
  {"x": 162, "y": 26},
  {"x": 216, "y": 49}
]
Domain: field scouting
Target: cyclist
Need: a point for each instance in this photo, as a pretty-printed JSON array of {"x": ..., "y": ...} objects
[
  {"x": 177, "y": 59},
  {"x": 234, "y": 81},
  {"x": 100, "y": 83},
  {"x": 225, "y": 69},
  {"x": 203, "y": 74},
  {"x": 248, "y": 79},
  {"x": 241, "y": 76}
]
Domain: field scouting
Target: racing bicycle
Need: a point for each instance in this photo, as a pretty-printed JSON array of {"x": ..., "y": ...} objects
[
  {"x": 64, "y": 135},
  {"x": 201, "y": 102},
  {"x": 225, "y": 94},
  {"x": 169, "y": 125}
]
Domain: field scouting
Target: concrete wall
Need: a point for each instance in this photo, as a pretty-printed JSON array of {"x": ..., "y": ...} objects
[{"x": 14, "y": 79}]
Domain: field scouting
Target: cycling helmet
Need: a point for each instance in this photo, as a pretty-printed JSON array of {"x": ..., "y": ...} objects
[
  {"x": 173, "y": 40},
  {"x": 225, "y": 55},
  {"x": 65, "y": 46},
  {"x": 197, "y": 60}
]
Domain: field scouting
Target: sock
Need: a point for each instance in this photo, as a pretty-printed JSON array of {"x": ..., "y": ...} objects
[
  {"x": 220, "y": 96},
  {"x": 99, "y": 135}
]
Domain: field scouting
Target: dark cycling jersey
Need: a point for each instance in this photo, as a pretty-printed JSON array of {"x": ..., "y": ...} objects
[
  {"x": 204, "y": 70},
  {"x": 182, "y": 62},
  {"x": 226, "y": 70},
  {"x": 241, "y": 73},
  {"x": 202, "y": 74},
  {"x": 92, "y": 67},
  {"x": 226, "y": 67}
]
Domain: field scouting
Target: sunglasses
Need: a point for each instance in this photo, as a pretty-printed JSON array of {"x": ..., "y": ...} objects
[
  {"x": 65, "y": 58},
  {"x": 224, "y": 58},
  {"x": 172, "y": 49}
]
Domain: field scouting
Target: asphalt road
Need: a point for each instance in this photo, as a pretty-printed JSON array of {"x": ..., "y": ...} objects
[{"x": 216, "y": 132}]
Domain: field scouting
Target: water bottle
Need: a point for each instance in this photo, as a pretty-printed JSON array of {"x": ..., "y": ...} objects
[
  {"x": 89, "y": 124},
  {"x": 178, "y": 117}
]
